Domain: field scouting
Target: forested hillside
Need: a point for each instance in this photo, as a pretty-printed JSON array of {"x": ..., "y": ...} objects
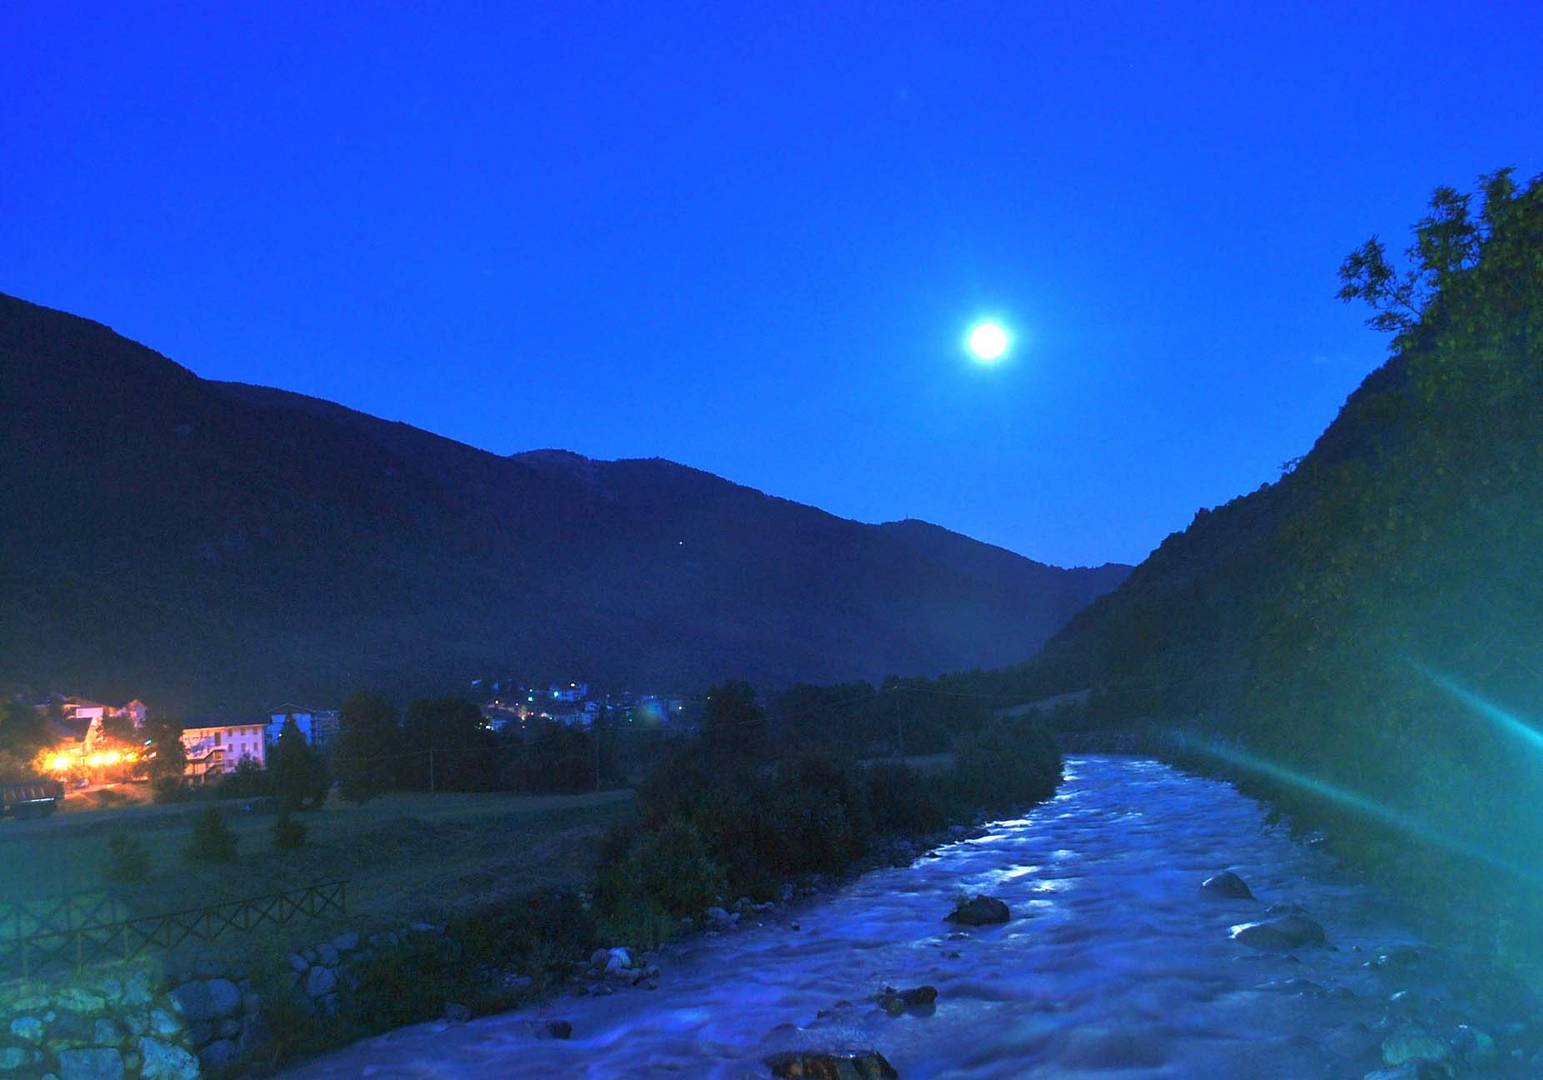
[{"x": 1363, "y": 640}]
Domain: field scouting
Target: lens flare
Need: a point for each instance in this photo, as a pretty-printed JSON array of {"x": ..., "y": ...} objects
[
  {"x": 1406, "y": 823},
  {"x": 1502, "y": 719}
]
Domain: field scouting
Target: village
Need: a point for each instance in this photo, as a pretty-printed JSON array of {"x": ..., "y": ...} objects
[{"x": 84, "y": 745}]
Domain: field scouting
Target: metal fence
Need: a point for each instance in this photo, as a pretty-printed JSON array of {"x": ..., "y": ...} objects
[{"x": 76, "y": 931}]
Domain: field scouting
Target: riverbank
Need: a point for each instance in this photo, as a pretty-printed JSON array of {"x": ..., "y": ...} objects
[
  {"x": 412, "y": 863},
  {"x": 769, "y": 833}
]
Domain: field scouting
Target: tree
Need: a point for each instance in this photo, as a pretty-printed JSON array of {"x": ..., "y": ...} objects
[
  {"x": 23, "y": 734},
  {"x": 212, "y": 839},
  {"x": 368, "y": 737},
  {"x": 446, "y": 746},
  {"x": 299, "y": 772},
  {"x": 733, "y": 725},
  {"x": 841, "y": 715},
  {"x": 169, "y": 758},
  {"x": 23, "y": 730},
  {"x": 556, "y": 758},
  {"x": 127, "y": 858},
  {"x": 288, "y": 831},
  {"x": 1450, "y": 242}
]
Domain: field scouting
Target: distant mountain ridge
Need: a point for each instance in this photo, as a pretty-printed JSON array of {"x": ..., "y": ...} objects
[{"x": 198, "y": 543}]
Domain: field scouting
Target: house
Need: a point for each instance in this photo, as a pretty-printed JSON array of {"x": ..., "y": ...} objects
[
  {"x": 216, "y": 748},
  {"x": 85, "y": 711},
  {"x": 319, "y": 726}
]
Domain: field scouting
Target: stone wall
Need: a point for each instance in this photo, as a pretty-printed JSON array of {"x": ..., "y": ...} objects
[
  {"x": 109, "y": 1025},
  {"x": 141, "y": 1021}
]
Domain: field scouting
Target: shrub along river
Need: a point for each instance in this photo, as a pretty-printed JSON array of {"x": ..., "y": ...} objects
[{"x": 1114, "y": 962}]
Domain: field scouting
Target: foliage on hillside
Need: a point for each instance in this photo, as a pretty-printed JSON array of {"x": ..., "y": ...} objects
[{"x": 1409, "y": 603}]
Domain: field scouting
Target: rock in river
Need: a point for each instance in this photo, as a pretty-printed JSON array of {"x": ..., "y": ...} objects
[
  {"x": 1412, "y": 1043},
  {"x": 920, "y": 999},
  {"x": 1229, "y": 885},
  {"x": 822, "y": 1065},
  {"x": 979, "y": 911},
  {"x": 1279, "y": 935}
]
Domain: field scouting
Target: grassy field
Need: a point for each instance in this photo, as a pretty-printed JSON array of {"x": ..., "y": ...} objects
[{"x": 405, "y": 856}]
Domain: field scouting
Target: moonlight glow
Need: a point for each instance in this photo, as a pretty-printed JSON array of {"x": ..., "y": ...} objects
[{"x": 987, "y": 342}]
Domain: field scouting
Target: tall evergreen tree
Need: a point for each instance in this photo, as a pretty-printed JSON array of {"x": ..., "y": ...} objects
[{"x": 299, "y": 774}]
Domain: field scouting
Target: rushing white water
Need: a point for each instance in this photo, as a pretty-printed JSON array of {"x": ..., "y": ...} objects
[{"x": 1114, "y": 964}]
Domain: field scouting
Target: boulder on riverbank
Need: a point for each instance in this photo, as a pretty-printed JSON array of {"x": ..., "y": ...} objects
[
  {"x": 979, "y": 911},
  {"x": 1279, "y": 935},
  {"x": 827, "y": 1065},
  {"x": 1228, "y": 886}
]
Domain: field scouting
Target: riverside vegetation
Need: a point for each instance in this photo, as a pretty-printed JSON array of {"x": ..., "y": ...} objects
[{"x": 731, "y": 814}]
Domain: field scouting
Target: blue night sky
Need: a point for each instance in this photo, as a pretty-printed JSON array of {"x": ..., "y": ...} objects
[{"x": 751, "y": 237}]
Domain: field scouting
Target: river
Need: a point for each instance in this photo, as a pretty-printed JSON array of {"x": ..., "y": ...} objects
[{"x": 1114, "y": 964}]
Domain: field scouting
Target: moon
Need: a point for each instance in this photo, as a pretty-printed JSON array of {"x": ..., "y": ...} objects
[{"x": 988, "y": 341}]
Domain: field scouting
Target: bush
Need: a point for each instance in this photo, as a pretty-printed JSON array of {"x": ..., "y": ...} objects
[
  {"x": 127, "y": 859},
  {"x": 296, "y": 1027},
  {"x": 677, "y": 785},
  {"x": 410, "y": 983},
  {"x": 904, "y": 802},
  {"x": 804, "y": 832},
  {"x": 665, "y": 874},
  {"x": 246, "y": 781},
  {"x": 212, "y": 839},
  {"x": 168, "y": 789},
  {"x": 537, "y": 934},
  {"x": 808, "y": 815},
  {"x": 288, "y": 831},
  {"x": 1006, "y": 766},
  {"x": 673, "y": 869}
]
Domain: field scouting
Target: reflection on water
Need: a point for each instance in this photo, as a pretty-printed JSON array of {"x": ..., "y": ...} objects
[{"x": 1114, "y": 963}]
